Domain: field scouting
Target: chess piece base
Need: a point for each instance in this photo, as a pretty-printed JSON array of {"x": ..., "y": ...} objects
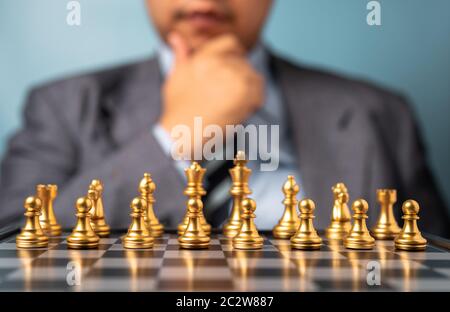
[
  {"x": 406, "y": 244},
  {"x": 306, "y": 243},
  {"x": 384, "y": 234},
  {"x": 156, "y": 230},
  {"x": 194, "y": 242},
  {"x": 26, "y": 241},
  {"x": 87, "y": 242},
  {"x": 138, "y": 242},
  {"x": 285, "y": 230},
  {"x": 231, "y": 229},
  {"x": 338, "y": 230},
  {"x": 248, "y": 243},
  {"x": 102, "y": 230},
  {"x": 52, "y": 229},
  {"x": 351, "y": 243}
]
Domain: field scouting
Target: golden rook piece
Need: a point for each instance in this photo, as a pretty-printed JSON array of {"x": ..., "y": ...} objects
[
  {"x": 32, "y": 235},
  {"x": 386, "y": 226},
  {"x": 146, "y": 188},
  {"x": 98, "y": 222},
  {"x": 340, "y": 220},
  {"x": 194, "y": 237},
  {"x": 410, "y": 237},
  {"x": 47, "y": 219},
  {"x": 195, "y": 190},
  {"x": 248, "y": 236},
  {"x": 240, "y": 175},
  {"x": 83, "y": 236},
  {"x": 306, "y": 237},
  {"x": 289, "y": 222},
  {"x": 138, "y": 235},
  {"x": 359, "y": 236}
]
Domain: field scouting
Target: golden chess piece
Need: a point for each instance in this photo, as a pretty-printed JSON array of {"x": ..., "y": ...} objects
[
  {"x": 194, "y": 189},
  {"x": 138, "y": 235},
  {"x": 248, "y": 236},
  {"x": 306, "y": 237},
  {"x": 32, "y": 235},
  {"x": 240, "y": 175},
  {"x": 47, "y": 219},
  {"x": 194, "y": 236},
  {"x": 83, "y": 236},
  {"x": 410, "y": 238},
  {"x": 359, "y": 236},
  {"x": 340, "y": 220},
  {"x": 147, "y": 188},
  {"x": 98, "y": 222},
  {"x": 386, "y": 226},
  {"x": 289, "y": 222}
]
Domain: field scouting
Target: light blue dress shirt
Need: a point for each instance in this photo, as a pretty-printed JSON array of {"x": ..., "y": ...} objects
[{"x": 265, "y": 185}]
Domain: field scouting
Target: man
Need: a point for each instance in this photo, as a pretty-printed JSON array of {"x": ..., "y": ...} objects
[{"x": 115, "y": 124}]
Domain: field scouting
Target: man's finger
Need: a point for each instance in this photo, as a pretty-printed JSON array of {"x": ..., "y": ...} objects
[{"x": 179, "y": 47}]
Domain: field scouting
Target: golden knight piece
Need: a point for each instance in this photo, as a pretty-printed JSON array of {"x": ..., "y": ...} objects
[
  {"x": 83, "y": 236},
  {"x": 340, "y": 221},
  {"x": 386, "y": 226},
  {"x": 138, "y": 235},
  {"x": 359, "y": 236},
  {"x": 98, "y": 222},
  {"x": 146, "y": 188},
  {"x": 248, "y": 236},
  {"x": 410, "y": 238},
  {"x": 306, "y": 237},
  {"x": 32, "y": 235},
  {"x": 47, "y": 219}
]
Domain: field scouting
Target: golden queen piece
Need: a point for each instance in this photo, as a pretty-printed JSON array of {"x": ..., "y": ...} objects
[
  {"x": 240, "y": 175},
  {"x": 138, "y": 235},
  {"x": 98, "y": 222},
  {"x": 31, "y": 235},
  {"x": 248, "y": 236},
  {"x": 83, "y": 236},
  {"x": 146, "y": 188},
  {"x": 289, "y": 222},
  {"x": 47, "y": 219},
  {"x": 194, "y": 190},
  {"x": 306, "y": 237},
  {"x": 359, "y": 236},
  {"x": 386, "y": 226},
  {"x": 340, "y": 220},
  {"x": 194, "y": 237},
  {"x": 410, "y": 238}
]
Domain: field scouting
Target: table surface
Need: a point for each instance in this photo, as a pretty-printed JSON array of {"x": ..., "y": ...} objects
[{"x": 276, "y": 267}]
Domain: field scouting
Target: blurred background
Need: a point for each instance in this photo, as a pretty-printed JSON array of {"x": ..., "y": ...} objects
[{"x": 409, "y": 52}]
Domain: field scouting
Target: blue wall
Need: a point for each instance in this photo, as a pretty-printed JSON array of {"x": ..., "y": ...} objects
[{"x": 410, "y": 52}]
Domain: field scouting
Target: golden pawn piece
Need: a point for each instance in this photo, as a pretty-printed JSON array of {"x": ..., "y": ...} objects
[
  {"x": 194, "y": 237},
  {"x": 248, "y": 237},
  {"x": 98, "y": 222},
  {"x": 31, "y": 235},
  {"x": 410, "y": 237},
  {"x": 194, "y": 176},
  {"x": 306, "y": 237},
  {"x": 240, "y": 175},
  {"x": 47, "y": 219},
  {"x": 146, "y": 188},
  {"x": 83, "y": 236},
  {"x": 386, "y": 226},
  {"x": 289, "y": 222},
  {"x": 138, "y": 235},
  {"x": 340, "y": 220},
  {"x": 359, "y": 236}
]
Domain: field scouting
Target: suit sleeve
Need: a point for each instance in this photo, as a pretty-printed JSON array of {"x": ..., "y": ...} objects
[
  {"x": 43, "y": 152},
  {"x": 416, "y": 177}
]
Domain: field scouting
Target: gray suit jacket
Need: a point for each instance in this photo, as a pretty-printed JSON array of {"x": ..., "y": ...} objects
[{"x": 98, "y": 125}]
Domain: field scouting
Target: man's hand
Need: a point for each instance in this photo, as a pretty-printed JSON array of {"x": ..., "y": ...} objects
[{"x": 215, "y": 82}]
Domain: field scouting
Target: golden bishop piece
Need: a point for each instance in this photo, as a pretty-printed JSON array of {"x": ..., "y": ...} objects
[
  {"x": 83, "y": 236},
  {"x": 410, "y": 237},
  {"x": 306, "y": 237},
  {"x": 146, "y": 188},
  {"x": 194, "y": 237},
  {"x": 194, "y": 189},
  {"x": 289, "y": 222},
  {"x": 386, "y": 226},
  {"x": 248, "y": 236},
  {"x": 359, "y": 236},
  {"x": 31, "y": 235},
  {"x": 240, "y": 175},
  {"x": 138, "y": 235},
  {"x": 47, "y": 219},
  {"x": 340, "y": 220},
  {"x": 98, "y": 222}
]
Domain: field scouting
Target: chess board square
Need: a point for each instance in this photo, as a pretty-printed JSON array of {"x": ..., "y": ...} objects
[
  {"x": 36, "y": 285},
  {"x": 174, "y": 242},
  {"x": 115, "y": 284},
  {"x": 392, "y": 264},
  {"x": 330, "y": 273},
  {"x": 262, "y": 263},
  {"x": 370, "y": 255},
  {"x": 350, "y": 285},
  {"x": 39, "y": 273},
  {"x": 143, "y": 253},
  {"x": 132, "y": 271},
  {"x": 300, "y": 254},
  {"x": 265, "y": 272},
  {"x": 435, "y": 263},
  {"x": 61, "y": 262},
  {"x": 8, "y": 246},
  {"x": 177, "y": 247},
  {"x": 188, "y": 254},
  {"x": 65, "y": 247},
  {"x": 195, "y": 285},
  {"x": 5, "y": 272},
  {"x": 110, "y": 241},
  {"x": 156, "y": 247},
  {"x": 423, "y": 255},
  {"x": 219, "y": 262},
  {"x": 273, "y": 284},
  {"x": 411, "y": 273},
  {"x": 252, "y": 254},
  {"x": 73, "y": 254},
  {"x": 320, "y": 263},
  {"x": 21, "y": 253},
  {"x": 8, "y": 263},
  {"x": 121, "y": 263},
  {"x": 194, "y": 273},
  {"x": 443, "y": 271},
  {"x": 420, "y": 284}
]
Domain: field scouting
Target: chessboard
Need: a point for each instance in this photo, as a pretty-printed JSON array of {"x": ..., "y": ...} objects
[{"x": 276, "y": 267}]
